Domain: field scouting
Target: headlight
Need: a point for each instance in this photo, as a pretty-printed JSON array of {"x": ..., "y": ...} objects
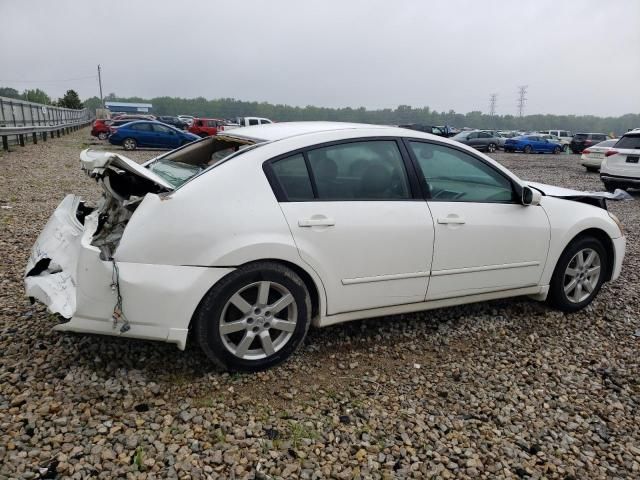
[{"x": 618, "y": 222}]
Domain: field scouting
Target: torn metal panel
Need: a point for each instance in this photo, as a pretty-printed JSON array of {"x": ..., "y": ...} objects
[
  {"x": 50, "y": 273},
  {"x": 597, "y": 199}
]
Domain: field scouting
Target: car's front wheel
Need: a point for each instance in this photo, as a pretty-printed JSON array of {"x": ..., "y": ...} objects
[
  {"x": 527, "y": 149},
  {"x": 254, "y": 318},
  {"x": 491, "y": 147},
  {"x": 129, "y": 144},
  {"x": 556, "y": 150},
  {"x": 578, "y": 275}
]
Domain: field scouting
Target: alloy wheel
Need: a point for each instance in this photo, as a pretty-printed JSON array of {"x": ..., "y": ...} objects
[
  {"x": 258, "y": 320},
  {"x": 582, "y": 275}
]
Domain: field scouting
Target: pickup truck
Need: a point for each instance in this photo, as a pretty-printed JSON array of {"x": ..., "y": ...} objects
[{"x": 247, "y": 121}]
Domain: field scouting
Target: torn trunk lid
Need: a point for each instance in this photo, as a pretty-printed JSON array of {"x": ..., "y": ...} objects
[{"x": 100, "y": 164}]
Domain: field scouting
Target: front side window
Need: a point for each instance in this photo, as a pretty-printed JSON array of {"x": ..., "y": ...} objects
[
  {"x": 253, "y": 121},
  {"x": 367, "y": 170},
  {"x": 141, "y": 127},
  {"x": 452, "y": 175},
  {"x": 161, "y": 129}
]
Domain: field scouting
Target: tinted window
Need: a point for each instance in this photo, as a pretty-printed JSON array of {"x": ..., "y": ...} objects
[
  {"x": 263, "y": 121},
  {"x": 452, "y": 175},
  {"x": 161, "y": 129},
  {"x": 253, "y": 121},
  {"x": 484, "y": 135},
  {"x": 293, "y": 177},
  {"x": 472, "y": 136},
  {"x": 580, "y": 136},
  {"x": 599, "y": 137},
  {"x": 629, "y": 141},
  {"x": 371, "y": 170},
  {"x": 564, "y": 134},
  {"x": 142, "y": 127}
]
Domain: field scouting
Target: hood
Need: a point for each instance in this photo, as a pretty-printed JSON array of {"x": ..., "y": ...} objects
[
  {"x": 592, "y": 198},
  {"x": 98, "y": 164}
]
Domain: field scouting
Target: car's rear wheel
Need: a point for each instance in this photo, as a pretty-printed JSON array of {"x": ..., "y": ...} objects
[
  {"x": 102, "y": 135},
  {"x": 527, "y": 149},
  {"x": 491, "y": 147},
  {"x": 610, "y": 187},
  {"x": 254, "y": 318},
  {"x": 556, "y": 150},
  {"x": 578, "y": 275},
  {"x": 129, "y": 144}
]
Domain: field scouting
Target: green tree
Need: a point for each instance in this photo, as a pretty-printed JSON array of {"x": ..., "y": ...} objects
[
  {"x": 10, "y": 93},
  {"x": 70, "y": 100},
  {"x": 92, "y": 104},
  {"x": 37, "y": 96}
]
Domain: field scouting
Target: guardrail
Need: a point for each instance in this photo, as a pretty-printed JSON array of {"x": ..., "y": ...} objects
[{"x": 20, "y": 120}]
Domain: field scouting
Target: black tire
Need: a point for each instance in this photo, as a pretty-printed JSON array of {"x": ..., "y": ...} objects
[
  {"x": 129, "y": 144},
  {"x": 492, "y": 147},
  {"x": 610, "y": 187},
  {"x": 556, "y": 150},
  {"x": 527, "y": 149},
  {"x": 209, "y": 316},
  {"x": 103, "y": 135},
  {"x": 557, "y": 296},
  {"x": 592, "y": 169},
  {"x": 507, "y": 150}
]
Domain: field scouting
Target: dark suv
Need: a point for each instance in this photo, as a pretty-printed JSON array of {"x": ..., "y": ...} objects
[{"x": 583, "y": 140}]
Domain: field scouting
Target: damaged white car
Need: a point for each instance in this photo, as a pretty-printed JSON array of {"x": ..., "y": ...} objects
[{"x": 248, "y": 238}]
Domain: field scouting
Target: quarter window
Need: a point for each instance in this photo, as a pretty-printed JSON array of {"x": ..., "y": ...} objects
[
  {"x": 370, "y": 170},
  {"x": 293, "y": 177},
  {"x": 455, "y": 176}
]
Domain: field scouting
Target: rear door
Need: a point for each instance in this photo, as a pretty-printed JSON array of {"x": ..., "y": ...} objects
[
  {"x": 357, "y": 222},
  {"x": 485, "y": 240}
]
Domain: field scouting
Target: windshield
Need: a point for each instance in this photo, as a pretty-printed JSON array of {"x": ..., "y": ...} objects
[{"x": 181, "y": 165}]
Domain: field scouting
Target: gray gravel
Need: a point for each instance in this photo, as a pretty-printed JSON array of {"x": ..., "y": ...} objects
[{"x": 502, "y": 389}]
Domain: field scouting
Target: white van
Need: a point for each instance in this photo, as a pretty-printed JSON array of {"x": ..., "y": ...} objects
[
  {"x": 564, "y": 135},
  {"x": 248, "y": 121}
]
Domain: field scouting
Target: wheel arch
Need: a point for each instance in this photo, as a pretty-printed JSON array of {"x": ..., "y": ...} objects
[{"x": 607, "y": 243}]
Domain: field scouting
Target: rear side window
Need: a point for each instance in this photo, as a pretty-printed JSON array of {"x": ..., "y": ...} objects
[
  {"x": 370, "y": 170},
  {"x": 141, "y": 127},
  {"x": 292, "y": 174},
  {"x": 629, "y": 141}
]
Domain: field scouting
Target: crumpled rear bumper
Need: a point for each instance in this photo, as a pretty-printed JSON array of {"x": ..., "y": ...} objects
[{"x": 66, "y": 273}]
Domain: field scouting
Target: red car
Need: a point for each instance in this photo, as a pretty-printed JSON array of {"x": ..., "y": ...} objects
[
  {"x": 206, "y": 127},
  {"x": 100, "y": 129}
]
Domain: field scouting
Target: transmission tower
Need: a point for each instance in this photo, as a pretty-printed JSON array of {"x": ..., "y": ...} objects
[
  {"x": 493, "y": 100},
  {"x": 522, "y": 99}
]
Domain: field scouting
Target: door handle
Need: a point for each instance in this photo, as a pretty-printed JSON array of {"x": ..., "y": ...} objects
[
  {"x": 452, "y": 220},
  {"x": 316, "y": 222}
]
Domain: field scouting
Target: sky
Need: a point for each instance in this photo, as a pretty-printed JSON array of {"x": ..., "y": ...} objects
[{"x": 577, "y": 57}]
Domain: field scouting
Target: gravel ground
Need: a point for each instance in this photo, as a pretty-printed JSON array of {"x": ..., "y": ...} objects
[{"x": 501, "y": 389}]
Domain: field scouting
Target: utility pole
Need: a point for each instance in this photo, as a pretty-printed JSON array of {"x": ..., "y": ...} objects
[
  {"x": 522, "y": 98},
  {"x": 493, "y": 100},
  {"x": 100, "y": 83}
]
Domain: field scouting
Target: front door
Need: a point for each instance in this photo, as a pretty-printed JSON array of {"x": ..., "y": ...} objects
[
  {"x": 485, "y": 240},
  {"x": 356, "y": 222}
]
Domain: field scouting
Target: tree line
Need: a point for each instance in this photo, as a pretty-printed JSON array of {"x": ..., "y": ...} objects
[
  {"x": 230, "y": 108},
  {"x": 68, "y": 100}
]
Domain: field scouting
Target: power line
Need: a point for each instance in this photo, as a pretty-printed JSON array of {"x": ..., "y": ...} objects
[
  {"x": 522, "y": 99},
  {"x": 493, "y": 101}
]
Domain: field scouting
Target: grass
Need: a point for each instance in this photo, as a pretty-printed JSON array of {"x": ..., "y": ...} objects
[
  {"x": 138, "y": 459},
  {"x": 298, "y": 431}
]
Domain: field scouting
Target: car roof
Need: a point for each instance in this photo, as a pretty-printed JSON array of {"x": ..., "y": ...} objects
[{"x": 277, "y": 131}]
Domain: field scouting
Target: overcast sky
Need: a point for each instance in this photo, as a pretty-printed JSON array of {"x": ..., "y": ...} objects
[{"x": 577, "y": 57}]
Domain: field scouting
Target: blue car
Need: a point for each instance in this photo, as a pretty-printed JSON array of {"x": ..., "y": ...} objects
[
  {"x": 145, "y": 133},
  {"x": 531, "y": 144}
]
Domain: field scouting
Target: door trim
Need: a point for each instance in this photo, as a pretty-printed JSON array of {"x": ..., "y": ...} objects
[
  {"x": 484, "y": 268},
  {"x": 383, "y": 278}
]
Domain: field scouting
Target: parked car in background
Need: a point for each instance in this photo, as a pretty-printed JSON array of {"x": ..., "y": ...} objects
[
  {"x": 565, "y": 135},
  {"x": 621, "y": 165},
  {"x": 531, "y": 144},
  {"x": 419, "y": 127},
  {"x": 174, "y": 122},
  {"x": 250, "y": 121},
  {"x": 188, "y": 119},
  {"x": 593, "y": 156},
  {"x": 552, "y": 138},
  {"x": 131, "y": 117},
  {"x": 283, "y": 248},
  {"x": 100, "y": 128},
  {"x": 580, "y": 141},
  {"x": 478, "y": 139},
  {"x": 150, "y": 134},
  {"x": 206, "y": 127}
]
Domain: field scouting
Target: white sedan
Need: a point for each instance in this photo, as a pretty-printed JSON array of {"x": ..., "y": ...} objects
[
  {"x": 249, "y": 237},
  {"x": 593, "y": 156}
]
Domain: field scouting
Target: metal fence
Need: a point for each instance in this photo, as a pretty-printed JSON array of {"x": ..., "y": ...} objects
[{"x": 21, "y": 121}]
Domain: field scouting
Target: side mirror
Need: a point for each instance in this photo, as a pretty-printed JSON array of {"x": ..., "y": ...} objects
[{"x": 530, "y": 196}]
